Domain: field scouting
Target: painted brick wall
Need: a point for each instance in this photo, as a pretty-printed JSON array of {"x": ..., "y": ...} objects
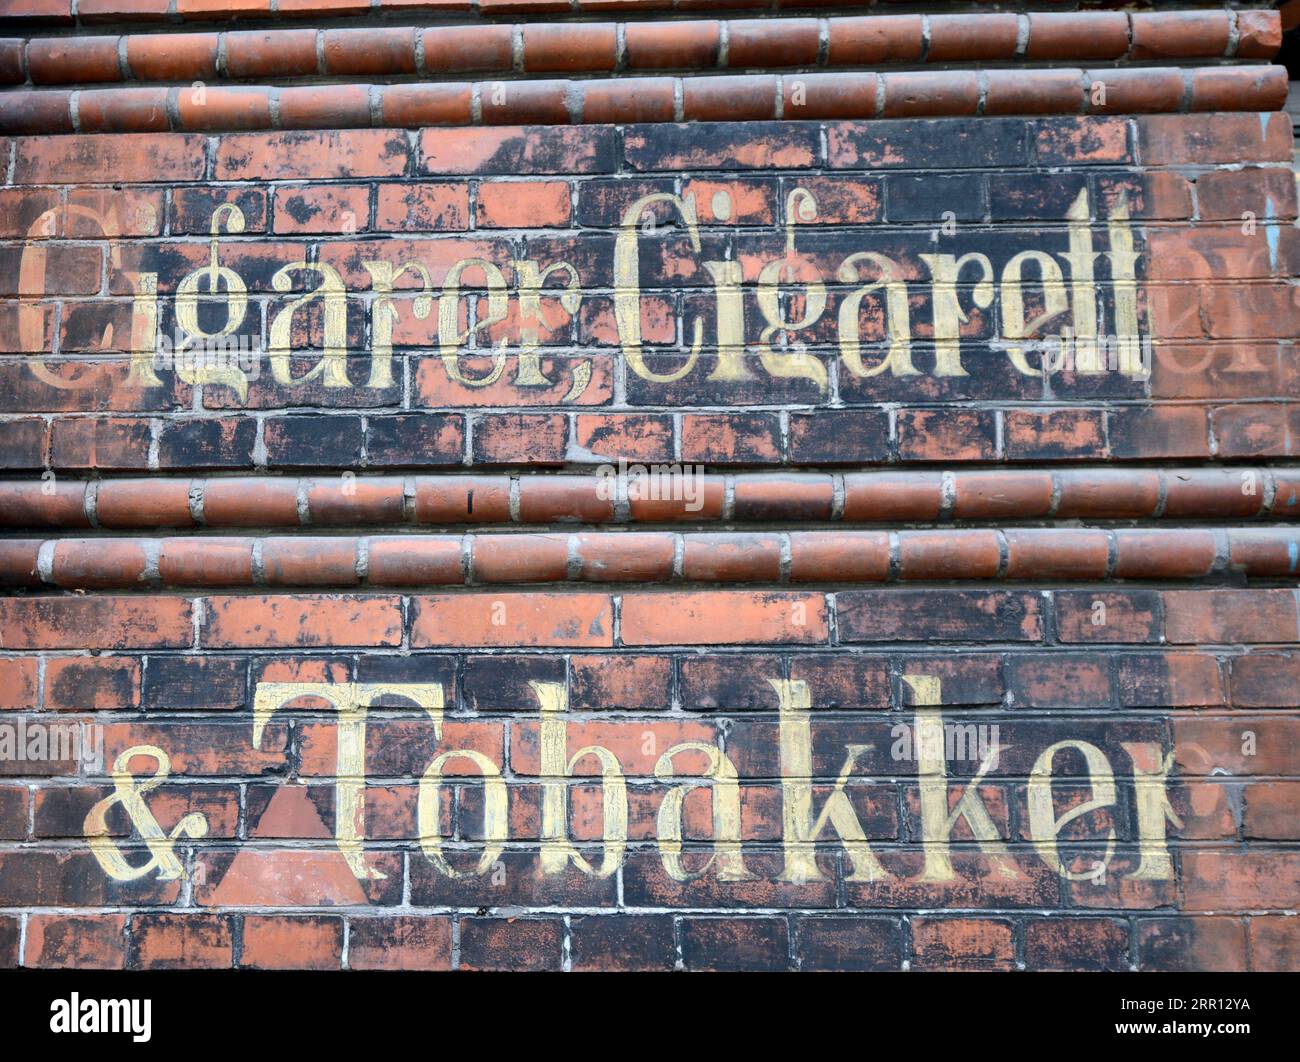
[{"x": 636, "y": 522}]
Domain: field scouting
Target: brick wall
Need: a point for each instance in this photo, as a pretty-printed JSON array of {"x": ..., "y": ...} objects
[{"x": 779, "y": 490}]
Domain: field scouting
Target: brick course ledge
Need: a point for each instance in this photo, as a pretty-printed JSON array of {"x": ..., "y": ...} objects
[
  {"x": 600, "y": 101},
  {"x": 704, "y": 44},
  {"x": 830, "y": 557},
  {"x": 851, "y": 497},
  {"x": 1162, "y": 33}
]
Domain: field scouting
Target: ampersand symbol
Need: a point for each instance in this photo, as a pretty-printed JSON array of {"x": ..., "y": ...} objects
[{"x": 130, "y": 794}]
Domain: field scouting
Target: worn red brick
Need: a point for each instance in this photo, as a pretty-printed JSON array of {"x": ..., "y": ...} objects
[
  {"x": 709, "y": 618},
  {"x": 288, "y": 620},
  {"x": 513, "y": 619}
]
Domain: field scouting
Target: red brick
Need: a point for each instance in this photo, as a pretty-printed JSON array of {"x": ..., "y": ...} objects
[
  {"x": 1179, "y": 35},
  {"x": 992, "y": 495},
  {"x": 422, "y": 207},
  {"x": 516, "y": 151},
  {"x": 1159, "y": 432},
  {"x": 1125, "y": 91},
  {"x": 946, "y": 435},
  {"x": 1191, "y": 944},
  {"x": 1085, "y": 35},
  {"x": 462, "y": 499},
  {"x": 286, "y": 621},
  {"x": 207, "y": 10},
  {"x": 1246, "y": 88},
  {"x": 1148, "y": 554},
  {"x": 72, "y": 60},
  {"x": 1076, "y": 944},
  {"x": 462, "y": 49},
  {"x": 76, "y": 942},
  {"x": 311, "y": 155},
  {"x": 553, "y": 48},
  {"x": 217, "y": 108},
  {"x": 622, "y": 942},
  {"x": 631, "y": 437},
  {"x": 848, "y": 943},
  {"x": 829, "y": 557},
  {"x": 1093, "y": 616},
  {"x": 520, "y": 438},
  {"x": 56, "y": 10},
  {"x": 627, "y": 99},
  {"x": 735, "y": 943},
  {"x": 622, "y": 681},
  {"x": 1241, "y": 880},
  {"x": 1057, "y": 680},
  {"x": 207, "y": 562},
  {"x": 271, "y": 53},
  {"x": 403, "y": 942},
  {"x": 1269, "y": 813},
  {"x": 1066, "y": 141},
  {"x": 20, "y": 563},
  {"x": 285, "y": 942},
  {"x": 1033, "y": 92},
  {"x": 625, "y": 557},
  {"x": 723, "y": 618},
  {"x": 1177, "y": 139},
  {"x": 185, "y": 57},
  {"x": 964, "y": 38},
  {"x": 758, "y": 43},
  {"x": 78, "y": 683},
  {"x": 672, "y": 45},
  {"x": 725, "y": 558},
  {"x": 1230, "y": 616},
  {"x": 888, "y": 496},
  {"x": 323, "y": 208},
  {"x": 729, "y": 98},
  {"x": 325, "y": 107},
  {"x": 416, "y": 105},
  {"x": 965, "y": 554},
  {"x": 143, "y": 503},
  {"x": 188, "y": 941},
  {"x": 875, "y": 39},
  {"x": 370, "y": 52},
  {"x": 247, "y": 505},
  {"x": 95, "y": 623},
  {"x": 81, "y": 564},
  {"x": 1108, "y": 493},
  {"x": 920, "y": 93},
  {"x": 523, "y": 204},
  {"x": 1273, "y": 942},
  {"x": 510, "y": 943},
  {"x": 783, "y": 497},
  {"x": 40, "y": 113},
  {"x": 1056, "y": 553},
  {"x": 17, "y": 682},
  {"x": 324, "y": 561},
  {"x": 512, "y": 619},
  {"x": 739, "y": 438},
  {"x": 404, "y": 561},
  {"x": 564, "y": 499},
  {"x": 532, "y": 102},
  {"x": 520, "y": 558},
  {"x": 1259, "y": 34},
  {"x": 14, "y": 811},
  {"x": 963, "y": 944}
]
